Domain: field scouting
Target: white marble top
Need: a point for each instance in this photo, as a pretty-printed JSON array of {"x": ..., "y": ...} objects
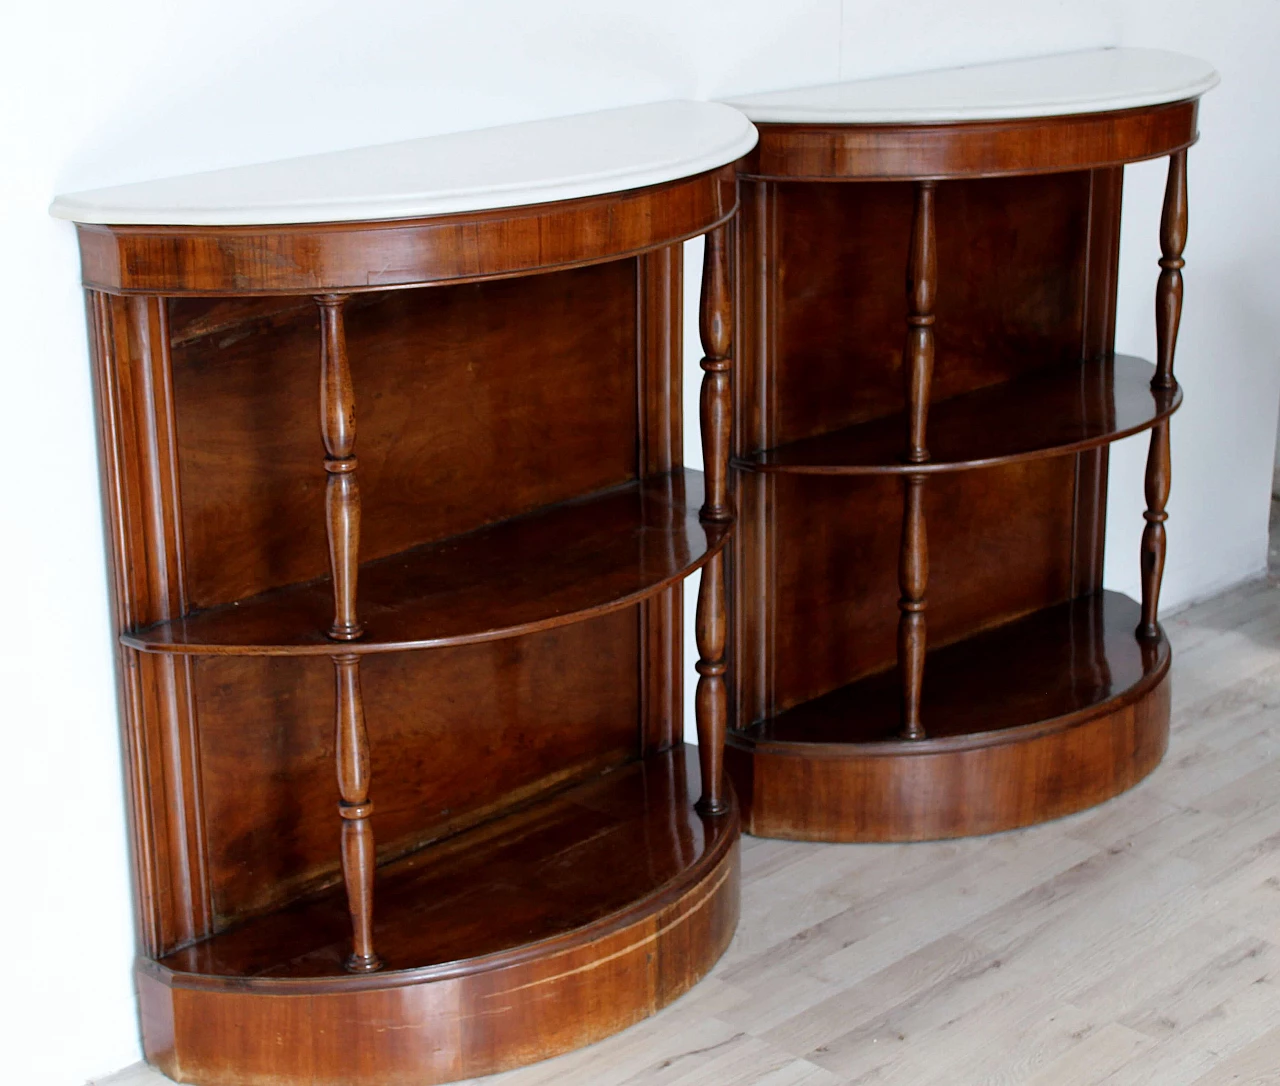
[
  {"x": 532, "y": 163},
  {"x": 1092, "y": 81}
]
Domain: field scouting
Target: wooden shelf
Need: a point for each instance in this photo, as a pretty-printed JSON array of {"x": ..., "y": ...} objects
[
  {"x": 1057, "y": 410},
  {"x": 562, "y": 564},
  {"x": 567, "y": 870},
  {"x": 1050, "y": 667},
  {"x": 1059, "y": 710}
]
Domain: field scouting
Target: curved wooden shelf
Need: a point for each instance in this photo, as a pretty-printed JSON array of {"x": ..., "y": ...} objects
[
  {"x": 1082, "y": 714},
  {"x": 1055, "y": 411},
  {"x": 556, "y": 566},
  {"x": 540, "y": 932}
]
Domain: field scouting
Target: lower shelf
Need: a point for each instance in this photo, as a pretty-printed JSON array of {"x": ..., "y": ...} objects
[
  {"x": 1049, "y": 714},
  {"x": 538, "y": 933}
]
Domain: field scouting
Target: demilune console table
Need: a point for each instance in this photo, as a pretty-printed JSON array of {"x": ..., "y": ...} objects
[
  {"x": 468, "y": 640},
  {"x": 922, "y": 646}
]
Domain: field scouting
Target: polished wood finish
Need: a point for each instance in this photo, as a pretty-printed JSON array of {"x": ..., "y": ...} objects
[
  {"x": 1050, "y": 412},
  {"x": 1003, "y": 148},
  {"x": 922, "y": 288},
  {"x": 352, "y": 744},
  {"x": 342, "y": 490},
  {"x": 996, "y": 415},
  {"x": 562, "y": 564},
  {"x": 715, "y": 326},
  {"x": 913, "y": 577},
  {"x": 510, "y": 944},
  {"x": 342, "y": 526},
  {"x": 712, "y": 705},
  {"x": 1082, "y": 713},
  {"x": 523, "y": 513},
  {"x": 320, "y": 258},
  {"x": 1173, "y": 239},
  {"x": 1058, "y": 954},
  {"x": 917, "y": 370}
]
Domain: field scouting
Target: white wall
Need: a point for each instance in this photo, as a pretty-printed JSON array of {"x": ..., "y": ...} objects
[{"x": 99, "y": 94}]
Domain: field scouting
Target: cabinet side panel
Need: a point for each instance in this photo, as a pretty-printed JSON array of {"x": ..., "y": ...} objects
[
  {"x": 456, "y": 736},
  {"x": 142, "y": 505},
  {"x": 473, "y": 403},
  {"x": 750, "y": 567},
  {"x": 1097, "y": 340},
  {"x": 659, "y": 363}
]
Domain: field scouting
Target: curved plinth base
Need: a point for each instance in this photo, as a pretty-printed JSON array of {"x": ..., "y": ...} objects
[
  {"x": 296, "y": 1019},
  {"x": 1098, "y": 704}
]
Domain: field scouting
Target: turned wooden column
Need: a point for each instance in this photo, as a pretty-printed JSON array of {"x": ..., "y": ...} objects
[
  {"x": 342, "y": 521},
  {"x": 711, "y": 702},
  {"x": 917, "y": 371},
  {"x": 1173, "y": 239}
]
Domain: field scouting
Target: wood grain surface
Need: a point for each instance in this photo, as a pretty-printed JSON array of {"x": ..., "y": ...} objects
[{"x": 1134, "y": 944}]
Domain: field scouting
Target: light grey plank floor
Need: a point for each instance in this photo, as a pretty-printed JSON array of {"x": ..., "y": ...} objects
[{"x": 1137, "y": 943}]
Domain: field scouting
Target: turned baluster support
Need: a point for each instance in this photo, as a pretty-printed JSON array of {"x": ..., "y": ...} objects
[
  {"x": 917, "y": 369},
  {"x": 715, "y": 326},
  {"x": 913, "y": 578},
  {"x": 711, "y": 702},
  {"x": 352, "y": 745},
  {"x": 342, "y": 521},
  {"x": 1173, "y": 239},
  {"x": 342, "y": 492}
]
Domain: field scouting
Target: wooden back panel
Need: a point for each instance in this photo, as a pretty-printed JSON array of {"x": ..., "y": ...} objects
[
  {"x": 1026, "y": 274},
  {"x": 474, "y": 403}
]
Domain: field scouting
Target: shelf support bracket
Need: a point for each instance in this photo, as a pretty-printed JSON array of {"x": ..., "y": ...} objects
[
  {"x": 1173, "y": 240},
  {"x": 342, "y": 523},
  {"x": 711, "y": 702},
  {"x": 917, "y": 370}
]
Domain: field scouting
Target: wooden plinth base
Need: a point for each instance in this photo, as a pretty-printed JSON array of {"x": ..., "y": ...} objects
[
  {"x": 1047, "y": 715},
  {"x": 522, "y": 939}
]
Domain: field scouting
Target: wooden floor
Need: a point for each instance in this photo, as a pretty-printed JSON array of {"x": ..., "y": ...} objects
[{"x": 1135, "y": 943}]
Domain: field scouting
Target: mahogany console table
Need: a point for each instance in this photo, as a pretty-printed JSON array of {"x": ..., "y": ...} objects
[
  {"x": 477, "y": 630},
  {"x": 922, "y": 644}
]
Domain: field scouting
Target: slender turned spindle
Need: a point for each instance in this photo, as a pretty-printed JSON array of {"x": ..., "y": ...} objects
[
  {"x": 917, "y": 353},
  {"x": 711, "y": 704},
  {"x": 352, "y": 743},
  {"x": 342, "y": 492},
  {"x": 913, "y": 577},
  {"x": 917, "y": 368},
  {"x": 342, "y": 518},
  {"x": 715, "y": 324},
  {"x": 1173, "y": 239}
]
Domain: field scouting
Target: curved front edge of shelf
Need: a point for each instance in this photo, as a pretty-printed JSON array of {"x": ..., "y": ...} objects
[
  {"x": 955, "y": 786},
  {"x": 1036, "y": 417},
  {"x": 462, "y": 1018},
  {"x": 569, "y": 563}
]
